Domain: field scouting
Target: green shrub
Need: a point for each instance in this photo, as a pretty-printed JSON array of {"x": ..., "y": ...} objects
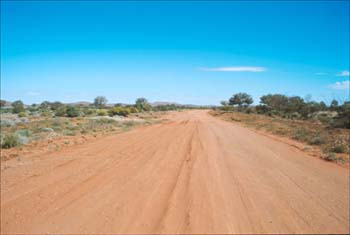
[
  {"x": 24, "y": 132},
  {"x": 134, "y": 110},
  {"x": 317, "y": 140},
  {"x": 121, "y": 111},
  {"x": 227, "y": 108},
  {"x": 262, "y": 109},
  {"x": 46, "y": 113},
  {"x": 143, "y": 105},
  {"x": 338, "y": 148},
  {"x": 89, "y": 111},
  {"x": 55, "y": 105},
  {"x": 325, "y": 120},
  {"x": 342, "y": 120},
  {"x": 17, "y": 106},
  {"x": 69, "y": 133},
  {"x": 61, "y": 111},
  {"x": 10, "y": 141},
  {"x": 22, "y": 114},
  {"x": 102, "y": 112},
  {"x": 57, "y": 128},
  {"x": 330, "y": 157},
  {"x": 72, "y": 111},
  {"x": 249, "y": 110}
]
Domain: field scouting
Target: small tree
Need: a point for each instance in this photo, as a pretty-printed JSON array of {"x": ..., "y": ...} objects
[
  {"x": 334, "y": 105},
  {"x": 311, "y": 108},
  {"x": 276, "y": 102},
  {"x": 241, "y": 99},
  {"x": 56, "y": 105},
  {"x": 45, "y": 105},
  {"x": 323, "y": 106},
  {"x": 263, "y": 109},
  {"x": 100, "y": 101},
  {"x": 296, "y": 104},
  {"x": 143, "y": 105},
  {"x": 18, "y": 106}
]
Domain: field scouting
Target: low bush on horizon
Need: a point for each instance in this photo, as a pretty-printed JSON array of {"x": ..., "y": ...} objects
[{"x": 292, "y": 107}]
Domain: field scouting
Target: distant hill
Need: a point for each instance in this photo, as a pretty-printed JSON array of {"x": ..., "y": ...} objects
[
  {"x": 7, "y": 104},
  {"x": 161, "y": 103},
  {"x": 80, "y": 103}
]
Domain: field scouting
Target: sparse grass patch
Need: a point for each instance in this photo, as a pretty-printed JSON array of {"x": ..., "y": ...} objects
[
  {"x": 300, "y": 134},
  {"x": 24, "y": 132},
  {"x": 332, "y": 157},
  {"x": 312, "y": 132},
  {"x": 278, "y": 131},
  {"x": 43, "y": 131},
  {"x": 317, "y": 140},
  {"x": 46, "y": 129},
  {"x": 69, "y": 133},
  {"x": 307, "y": 148},
  {"x": 130, "y": 123},
  {"x": 339, "y": 146}
]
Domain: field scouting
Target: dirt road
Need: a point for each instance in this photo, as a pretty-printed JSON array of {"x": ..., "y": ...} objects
[{"x": 191, "y": 174}]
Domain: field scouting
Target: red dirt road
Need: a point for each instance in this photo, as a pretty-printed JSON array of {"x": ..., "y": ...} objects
[{"x": 191, "y": 174}]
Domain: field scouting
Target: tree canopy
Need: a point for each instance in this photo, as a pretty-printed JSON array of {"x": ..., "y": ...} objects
[{"x": 241, "y": 99}]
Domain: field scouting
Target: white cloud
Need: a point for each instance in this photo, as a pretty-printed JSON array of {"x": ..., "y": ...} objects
[
  {"x": 340, "y": 85},
  {"x": 235, "y": 69},
  {"x": 344, "y": 73},
  {"x": 321, "y": 74},
  {"x": 33, "y": 93}
]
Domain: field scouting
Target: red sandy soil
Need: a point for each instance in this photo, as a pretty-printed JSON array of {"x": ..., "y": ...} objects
[{"x": 191, "y": 174}]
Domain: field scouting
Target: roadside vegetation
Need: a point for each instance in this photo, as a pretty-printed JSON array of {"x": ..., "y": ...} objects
[
  {"x": 58, "y": 125},
  {"x": 318, "y": 126}
]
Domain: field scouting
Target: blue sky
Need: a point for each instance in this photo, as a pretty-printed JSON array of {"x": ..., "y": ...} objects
[{"x": 186, "y": 52}]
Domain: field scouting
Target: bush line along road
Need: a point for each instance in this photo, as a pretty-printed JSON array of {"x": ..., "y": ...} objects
[{"x": 193, "y": 173}]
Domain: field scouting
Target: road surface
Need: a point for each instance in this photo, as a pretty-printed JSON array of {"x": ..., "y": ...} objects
[{"x": 191, "y": 174}]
